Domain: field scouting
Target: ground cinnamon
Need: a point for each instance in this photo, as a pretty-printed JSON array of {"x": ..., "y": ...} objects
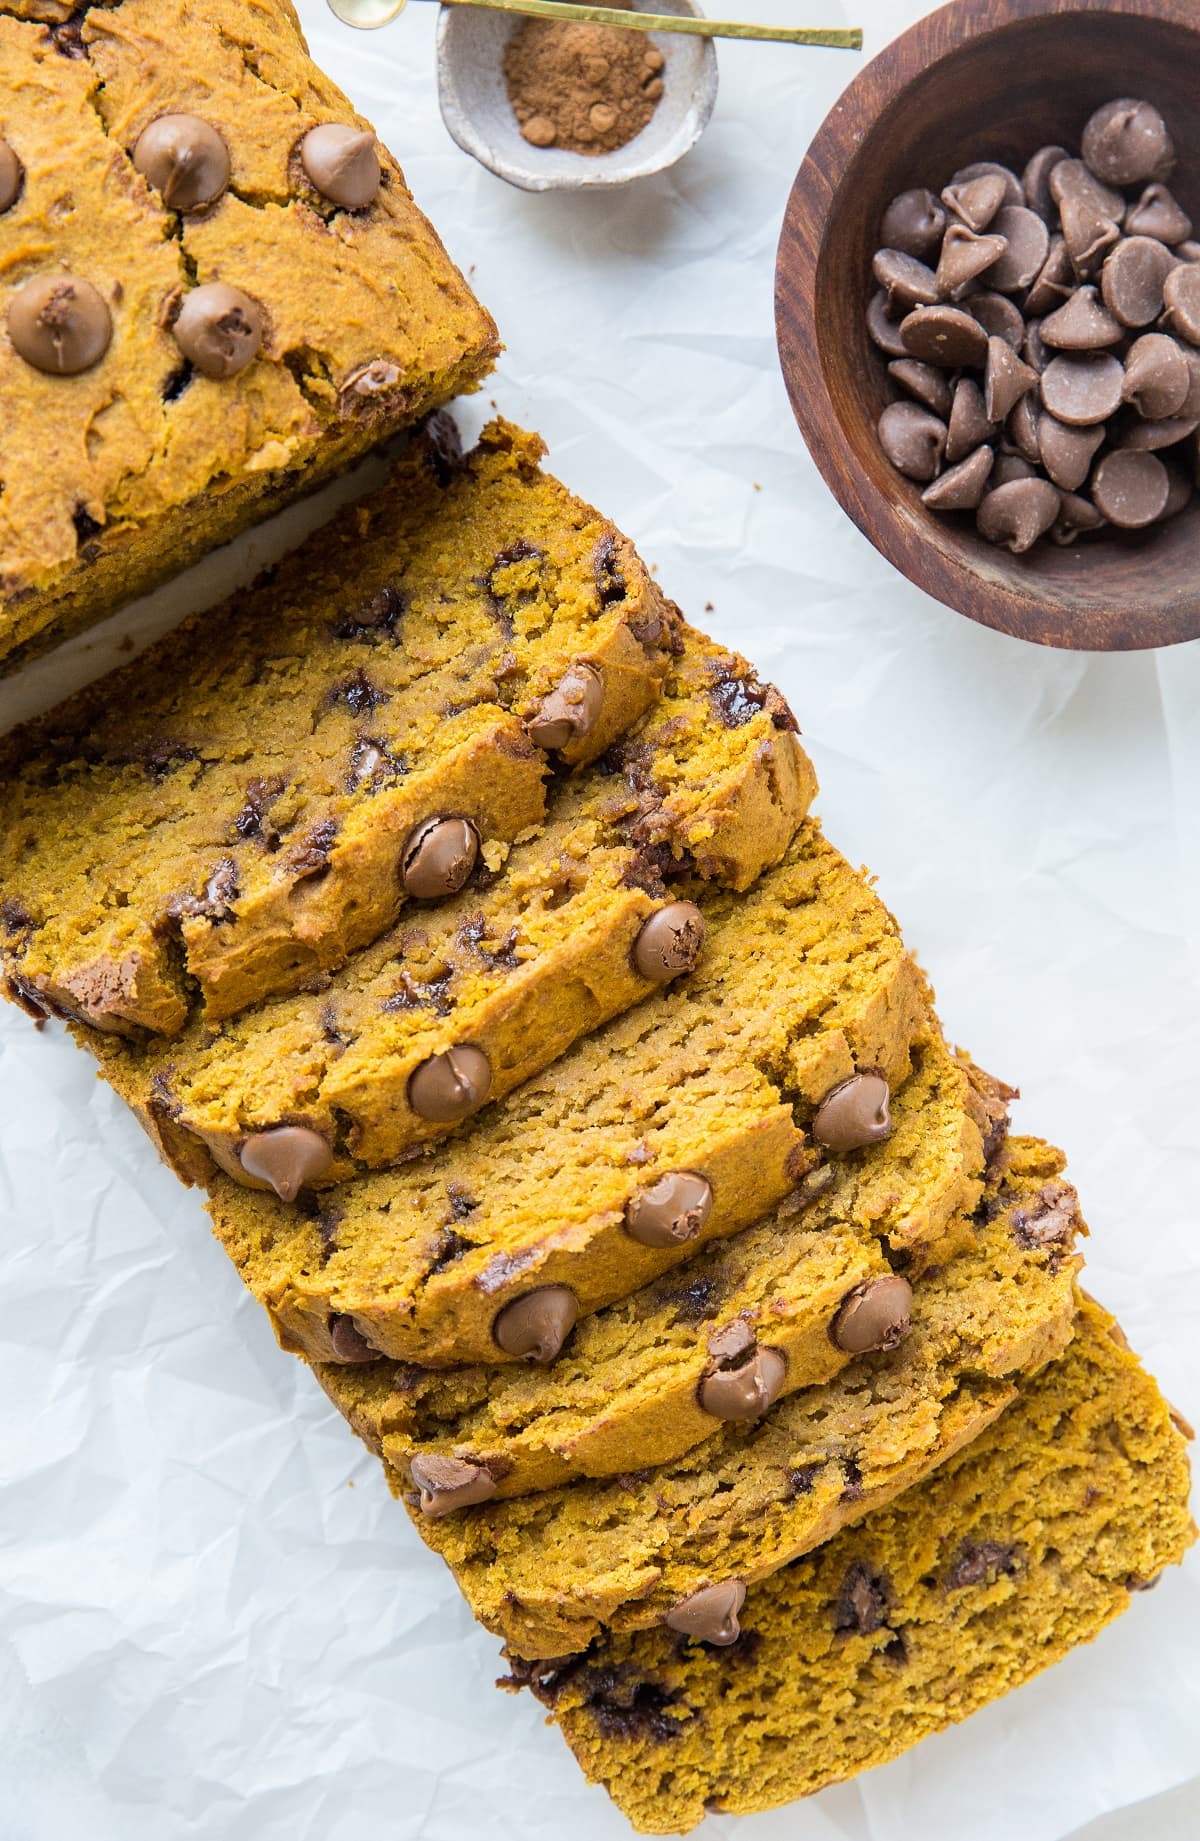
[{"x": 586, "y": 88}]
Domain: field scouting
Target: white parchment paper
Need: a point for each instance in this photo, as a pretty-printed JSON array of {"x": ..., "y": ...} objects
[{"x": 214, "y": 1623}]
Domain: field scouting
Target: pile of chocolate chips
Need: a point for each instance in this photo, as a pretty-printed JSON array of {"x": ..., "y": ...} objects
[{"x": 1044, "y": 337}]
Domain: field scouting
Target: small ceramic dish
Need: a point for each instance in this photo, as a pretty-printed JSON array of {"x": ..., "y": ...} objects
[
  {"x": 476, "y": 109},
  {"x": 979, "y": 79}
]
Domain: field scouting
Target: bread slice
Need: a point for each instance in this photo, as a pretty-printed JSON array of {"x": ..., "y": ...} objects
[
  {"x": 510, "y": 972},
  {"x": 228, "y": 817},
  {"x": 117, "y": 476},
  {"x": 680, "y": 1542},
  {"x": 1019, "y": 1548},
  {"x": 747, "y": 1321},
  {"x": 713, "y": 1082}
]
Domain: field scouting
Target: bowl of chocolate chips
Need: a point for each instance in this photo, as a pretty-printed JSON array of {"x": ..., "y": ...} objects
[{"x": 988, "y": 310}]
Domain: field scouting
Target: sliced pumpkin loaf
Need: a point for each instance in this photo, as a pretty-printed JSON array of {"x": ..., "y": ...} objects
[
  {"x": 217, "y": 289},
  {"x": 679, "y": 1543},
  {"x": 459, "y": 1004},
  {"x": 780, "y": 1306},
  {"x": 249, "y": 802},
  {"x": 682, "y": 1121},
  {"x": 1019, "y": 1548}
]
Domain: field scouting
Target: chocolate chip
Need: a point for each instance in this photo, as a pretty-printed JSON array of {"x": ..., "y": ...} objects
[
  {"x": 969, "y": 427},
  {"x": 1090, "y": 214},
  {"x": 59, "y": 323},
  {"x": 371, "y": 764},
  {"x": 984, "y": 169},
  {"x": 438, "y": 857},
  {"x": 884, "y": 330},
  {"x": 631, "y": 1711},
  {"x": 1035, "y": 351},
  {"x": 1027, "y": 244},
  {"x": 1022, "y": 428},
  {"x": 375, "y": 378},
  {"x": 980, "y": 1563},
  {"x": 286, "y": 1158},
  {"x": 342, "y": 164},
  {"x": 1067, "y": 453},
  {"x": 349, "y": 1343},
  {"x": 930, "y": 386},
  {"x": 1179, "y": 491},
  {"x": 1083, "y": 388},
  {"x": 310, "y": 857},
  {"x": 711, "y": 1614},
  {"x": 1008, "y": 467},
  {"x": 864, "y": 1601},
  {"x": 1130, "y": 489},
  {"x": 450, "y": 1086},
  {"x": 913, "y": 440},
  {"x": 1075, "y": 516},
  {"x": 1181, "y": 297},
  {"x": 1145, "y": 436},
  {"x": 611, "y": 584},
  {"x": 906, "y": 282},
  {"x": 1157, "y": 376},
  {"x": 1191, "y": 403},
  {"x": 944, "y": 335},
  {"x": 185, "y": 159},
  {"x": 535, "y": 1326},
  {"x": 670, "y": 942},
  {"x": 964, "y": 257},
  {"x": 670, "y": 1211},
  {"x": 1048, "y": 1218},
  {"x": 743, "y": 1384},
  {"x": 961, "y": 488},
  {"x": 1006, "y": 380},
  {"x": 570, "y": 711},
  {"x": 977, "y": 201},
  {"x": 1074, "y": 179},
  {"x": 913, "y": 223},
  {"x": 1082, "y": 324},
  {"x": 693, "y": 1301},
  {"x": 1158, "y": 214},
  {"x": 1055, "y": 281},
  {"x": 214, "y": 902},
  {"x": 854, "y": 1113},
  {"x": 1126, "y": 142},
  {"x": 12, "y": 174},
  {"x": 218, "y": 329},
  {"x": 1017, "y": 513},
  {"x": 999, "y": 317},
  {"x": 1088, "y": 235},
  {"x": 1134, "y": 277},
  {"x": 1035, "y": 180},
  {"x": 450, "y": 1483},
  {"x": 876, "y": 1315},
  {"x": 378, "y": 618}
]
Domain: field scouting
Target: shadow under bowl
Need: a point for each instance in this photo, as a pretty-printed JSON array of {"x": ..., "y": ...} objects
[
  {"x": 476, "y": 109},
  {"x": 977, "y": 80}
]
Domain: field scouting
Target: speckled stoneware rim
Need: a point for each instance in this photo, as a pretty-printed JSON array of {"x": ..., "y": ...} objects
[{"x": 479, "y": 116}]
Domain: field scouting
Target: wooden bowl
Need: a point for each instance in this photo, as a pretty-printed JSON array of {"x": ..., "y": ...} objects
[{"x": 980, "y": 79}]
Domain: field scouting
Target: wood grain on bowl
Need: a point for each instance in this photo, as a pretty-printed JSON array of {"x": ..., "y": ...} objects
[{"x": 979, "y": 79}]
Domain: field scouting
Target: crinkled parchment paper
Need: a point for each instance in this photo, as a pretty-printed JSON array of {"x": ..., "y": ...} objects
[{"x": 214, "y": 1622}]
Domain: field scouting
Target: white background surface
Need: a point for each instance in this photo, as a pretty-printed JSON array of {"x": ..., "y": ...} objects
[{"x": 214, "y": 1623}]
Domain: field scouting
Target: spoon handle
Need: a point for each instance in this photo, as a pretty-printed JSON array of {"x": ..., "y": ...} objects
[
  {"x": 630, "y": 21},
  {"x": 369, "y": 14}
]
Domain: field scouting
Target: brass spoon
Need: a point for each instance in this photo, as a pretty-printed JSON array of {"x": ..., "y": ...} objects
[{"x": 368, "y": 15}]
